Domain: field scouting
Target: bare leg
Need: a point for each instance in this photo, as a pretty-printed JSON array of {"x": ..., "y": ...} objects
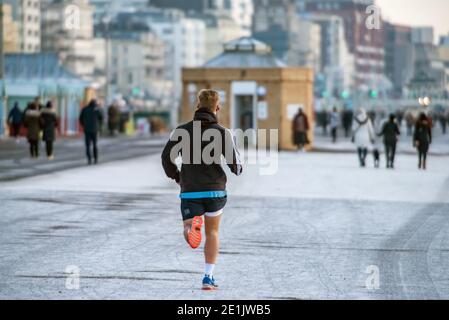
[
  {"x": 187, "y": 227},
  {"x": 212, "y": 239}
]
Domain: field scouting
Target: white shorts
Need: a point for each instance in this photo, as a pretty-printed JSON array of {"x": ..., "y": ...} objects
[{"x": 214, "y": 214}]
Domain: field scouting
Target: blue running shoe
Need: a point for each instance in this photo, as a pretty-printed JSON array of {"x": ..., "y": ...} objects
[{"x": 209, "y": 283}]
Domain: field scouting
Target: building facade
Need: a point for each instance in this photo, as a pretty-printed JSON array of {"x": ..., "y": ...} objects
[
  {"x": 399, "y": 57},
  {"x": 27, "y": 13},
  {"x": 276, "y": 23},
  {"x": 366, "y": 44},
  {"x": 220, "y": 28},
  {"x": 67, "y": 28},
  {"x": 241, "y": 11},
  {"x": 337, "y": 62},
  {"x": 184, "y": 42},
  {"x": 136, "y": 62},
  {"x": 10, "y": 29}
]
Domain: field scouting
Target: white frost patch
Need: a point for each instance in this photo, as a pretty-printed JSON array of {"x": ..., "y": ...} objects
[{"x": 300, "y": 175}]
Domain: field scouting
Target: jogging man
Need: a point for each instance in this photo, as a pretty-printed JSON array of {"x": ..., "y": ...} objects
[{"x": 202, "y": 181}]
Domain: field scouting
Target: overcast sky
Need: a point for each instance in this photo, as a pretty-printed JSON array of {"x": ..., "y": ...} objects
[{"x": 418, "y": 12}]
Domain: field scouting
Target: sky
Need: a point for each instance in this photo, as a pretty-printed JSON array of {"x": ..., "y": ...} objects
[{"x": 418, "y": 12}]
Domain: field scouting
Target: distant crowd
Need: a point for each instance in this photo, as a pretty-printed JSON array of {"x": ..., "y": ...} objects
[{"x": 364, "y": 128}]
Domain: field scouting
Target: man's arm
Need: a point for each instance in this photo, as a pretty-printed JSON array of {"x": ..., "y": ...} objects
[
  {"x": 382, "y": 131},
  {"x": 170, "y": 168},
  {"x": 81, "y": 119},
  {"x": 231, "y": 154}
]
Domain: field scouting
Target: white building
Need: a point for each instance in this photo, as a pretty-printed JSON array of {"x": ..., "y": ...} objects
[
  {"x": 184, "y": 41},
  {"x": 193, "y": 34},
  {"x": 104, "y": 8},
  {"x": 306, "y": 45},
  {"x": 28, "y": 15},
  {"x": 242, "y": 12},
  {"x": 337, "y": 63},
  {"x": 67, "y": 28},
  {"x": 422, "y": 35},
  {"x": 136, "y": 64},
  {"x": 220, "y": 29}
]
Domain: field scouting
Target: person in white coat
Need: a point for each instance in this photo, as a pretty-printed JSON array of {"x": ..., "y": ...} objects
[{"x": 363, "y": 135}]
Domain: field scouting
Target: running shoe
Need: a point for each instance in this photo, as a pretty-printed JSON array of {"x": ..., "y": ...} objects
[
  {"x": 194, "y": 236},
  {"x": 209, "y": 283}
]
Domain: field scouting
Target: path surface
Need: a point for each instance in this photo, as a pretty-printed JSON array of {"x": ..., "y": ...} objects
[
  {"x": 311, "y": 231},
  {"x": 15, "y": 162}
]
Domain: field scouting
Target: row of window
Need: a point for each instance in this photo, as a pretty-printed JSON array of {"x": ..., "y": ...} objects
[
  {"x": 30, "y": 18},
  {"x": 30, "y": 47},
  {"x": 32, "y": 4},
  {"x": 328, "y": 6},
  {"x": 31, "y": 33}
]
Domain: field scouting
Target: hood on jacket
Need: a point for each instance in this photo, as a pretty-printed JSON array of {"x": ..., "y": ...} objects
[
  {"x": 32, "y": 113},
  {"x": 362, "y": 116},
  {"x": 48, "y": 110},
  {"x": 206, "y": 117}
]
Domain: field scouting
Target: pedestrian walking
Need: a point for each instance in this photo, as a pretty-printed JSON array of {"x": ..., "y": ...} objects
[
  {"x": 113, "y": 118},
  {"x": 203, "y": 185},
  {"x": 422, "y": 139},
  {"x": 90, "y": 119},
  {"x": 390, "y": 132},
  {"x": 323, "y": 119},
  {"x": 443, "y": 121},
  {"x": 15, "y": 120},
  {"x": 399, "y": 117},
  {"x": 32, "y": 123},
  {"x": 410, "y": 122},
  {"x": 446, "y": 116},
  {"x": 49, "y": 123},
  {"x": 348, "y": 116},
  {"x": 334, "y": 124},
  {"x": 363, "y": 135},
  {"x": 300, "y": 129}
]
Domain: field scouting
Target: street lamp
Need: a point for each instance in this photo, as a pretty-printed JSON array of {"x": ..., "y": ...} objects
[{"x": 424, "y": 101}]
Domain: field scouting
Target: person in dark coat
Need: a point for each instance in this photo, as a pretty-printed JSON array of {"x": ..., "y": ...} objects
[
  {"x": 422, "y": 139},
  {"x": 443, "y": 121},
  {"x": 49, "y": 124},
  {"x": 90, "y": 119},
  {"x": 390, "y": 132},
  {"x": 32, "y": 123},
  {"x": 113, "y": 118},
  {"x": 15, "y": 120},
  {"x": 300, "y": 129},
  {"x": 348, "y": 116}
]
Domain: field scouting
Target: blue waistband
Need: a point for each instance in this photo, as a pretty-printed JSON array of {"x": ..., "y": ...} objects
[{"x": 203, "y": 195}]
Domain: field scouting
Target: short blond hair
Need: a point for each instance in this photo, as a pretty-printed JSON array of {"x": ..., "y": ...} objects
[{"x": 208, "y": 99}]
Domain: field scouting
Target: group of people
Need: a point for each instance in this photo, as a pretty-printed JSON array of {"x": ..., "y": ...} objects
[
  {"x": 365, "y": 137},
  {"x": 39, "y": 121},
  {"x": 334, "y": 120}
]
